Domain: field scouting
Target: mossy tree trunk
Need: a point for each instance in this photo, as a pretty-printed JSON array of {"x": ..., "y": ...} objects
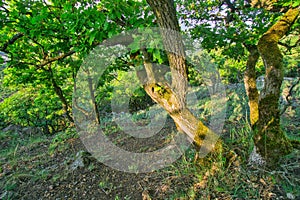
[
  {"x": 250, "y": 82},
  {"x": 270, "y": 141},
  {"x": 172, "y": 97},
  {"x": 163, "y": 94}
]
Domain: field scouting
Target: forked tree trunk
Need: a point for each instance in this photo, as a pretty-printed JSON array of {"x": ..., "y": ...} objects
[
  {"x": 270, "y": 141},
  {"x": 165, "y": 13},
  {"x": 250, "y": 82},
  {"x": 173, "y": 97}
]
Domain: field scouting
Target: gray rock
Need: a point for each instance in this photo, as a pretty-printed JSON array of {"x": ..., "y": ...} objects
[
  {"x": 82, "y": 159},
  {"x": 31, "y": 130},
  {"x": 13, "y": 128}
]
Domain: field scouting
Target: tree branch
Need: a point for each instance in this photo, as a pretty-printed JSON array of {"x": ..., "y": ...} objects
[
  {"x": 289, "y": 47},
  {"x": 51, "y": 60},
  {"x": 279, "y": 29},
  {"x": 4, "y": 9},
  {"x": 11, "y": 41},
  {"x": 268, "y": 5}
]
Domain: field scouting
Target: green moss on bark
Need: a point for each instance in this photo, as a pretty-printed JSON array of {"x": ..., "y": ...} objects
[{"x": 269, "y": 139}]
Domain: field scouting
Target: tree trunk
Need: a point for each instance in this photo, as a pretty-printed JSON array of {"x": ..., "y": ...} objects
[
  {"x": 184, "y": 119},
  {"x": 173, "y": 98},
  {"x": 61, "y": 96},
  {"x": 165, "y": 13},
  {"x": 92, "y": 93},
  {"x": 270, "y": 140},
  {"x": 250, "y": 82},
  {"x": 94, "y": 112}
]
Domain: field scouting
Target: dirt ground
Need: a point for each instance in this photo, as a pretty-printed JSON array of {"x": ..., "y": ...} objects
[{"x": 31, "y": 172}]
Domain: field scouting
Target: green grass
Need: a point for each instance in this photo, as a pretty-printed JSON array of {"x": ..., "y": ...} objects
[
  {"x": 230, "y": 179},
  {"x": 16, "y": 150},
  {"x": 58, "y": 142}
]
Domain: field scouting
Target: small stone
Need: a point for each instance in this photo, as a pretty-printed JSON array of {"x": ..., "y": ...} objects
[{"x": 290, "y": 196}]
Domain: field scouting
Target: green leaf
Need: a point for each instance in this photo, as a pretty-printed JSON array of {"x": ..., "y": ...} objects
[
  {"x": 157, "y": 56},
  {"x": 92, "y": 37},
  {"x": 296, "y": 3},
  {"x": 105, "y": 26}
]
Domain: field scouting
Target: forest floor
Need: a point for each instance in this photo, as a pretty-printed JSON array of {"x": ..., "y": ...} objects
[{"x": 38, "y": 166}]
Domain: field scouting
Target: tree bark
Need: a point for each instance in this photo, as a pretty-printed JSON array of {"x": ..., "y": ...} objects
[
  {"x": 270, "y": 141},
  {"x": 165, "y": 13},
  {"x": 250, "y": 82},
  {"x": 164, "y": 95},
  {"x": 269, "y": 5},
  {"x": 173, "y": 97}
]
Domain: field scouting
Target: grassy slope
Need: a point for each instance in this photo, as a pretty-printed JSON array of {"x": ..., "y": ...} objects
[{"x": 38, "y": 167}]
